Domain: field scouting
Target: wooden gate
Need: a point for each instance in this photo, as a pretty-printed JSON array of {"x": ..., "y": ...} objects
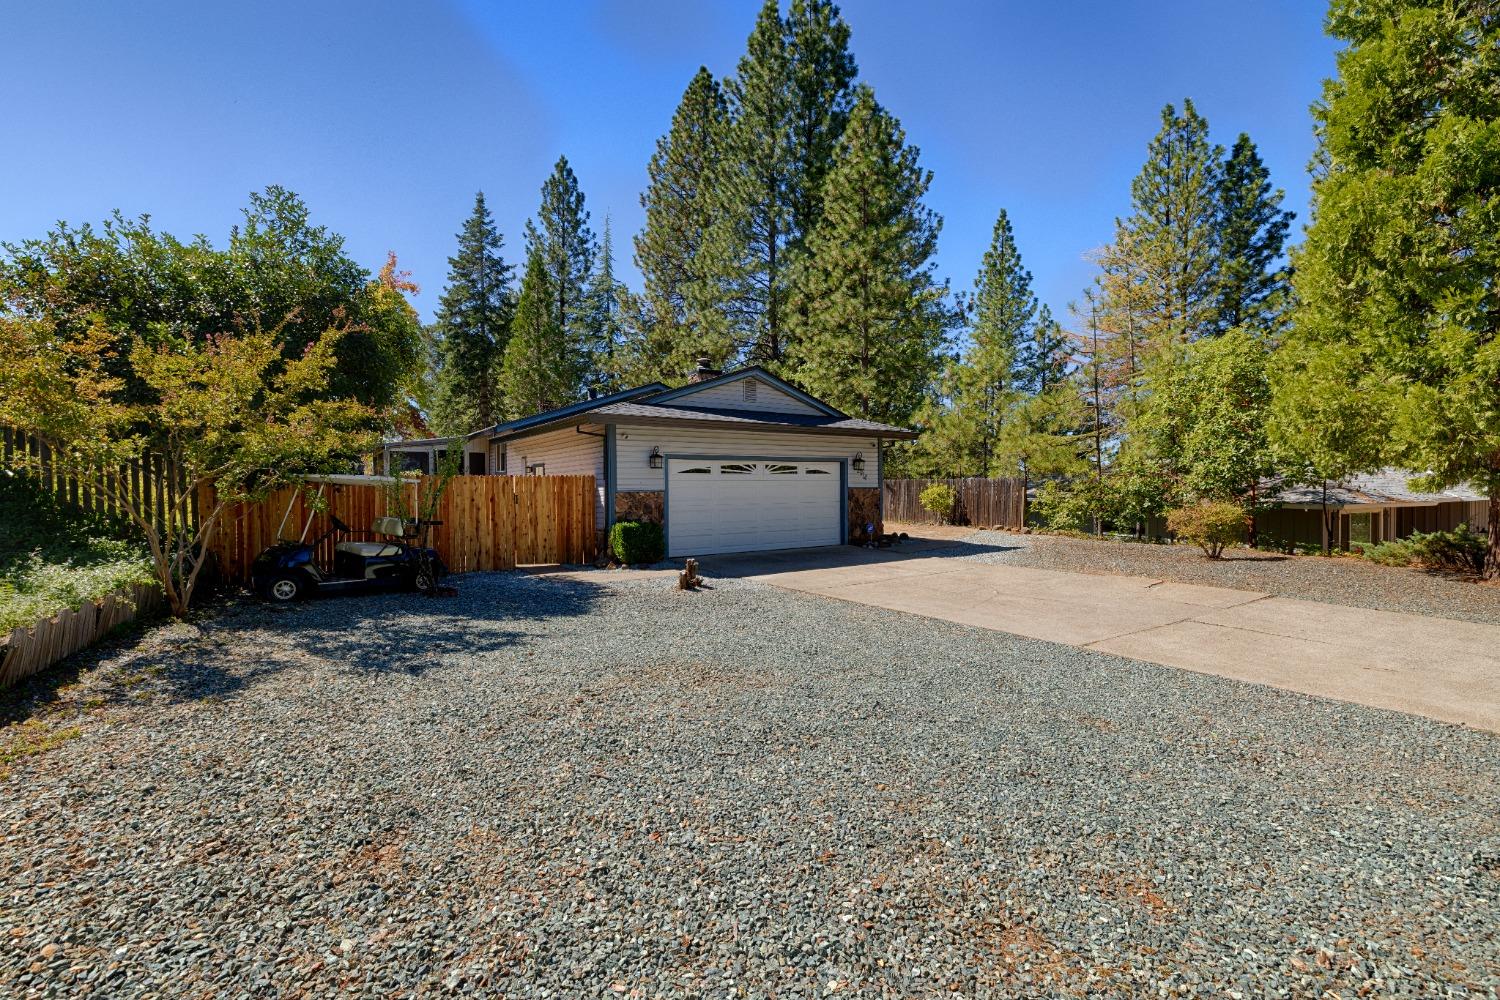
[{"x": 489, "y": 522}]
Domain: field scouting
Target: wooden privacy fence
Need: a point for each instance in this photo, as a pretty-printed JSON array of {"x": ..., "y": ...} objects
[
  {"x": 32, "y": 648},
  {"x": 986, "y": 502},
  {"x": 153, "y": 484},
  {"x": 489, "y": 522}
]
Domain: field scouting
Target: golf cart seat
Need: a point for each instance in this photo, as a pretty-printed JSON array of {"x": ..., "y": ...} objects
[
  {"x": 372, "y": 550},
  {"x": 368, "y": 550}
]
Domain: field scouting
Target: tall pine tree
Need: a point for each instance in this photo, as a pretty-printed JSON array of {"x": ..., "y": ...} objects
[
  {"x": 787, "y": 104},
  {"x": 541, "y": 369},
  {"x": 1169, "y": 243},
  {"x": 870, "y": 315},
  {"x": 1004, "y": 310},
  {"x": 680, "y": 318},
  {"x": 1251, "y": 284},
  {"x": 563, "y": 244},
  {"x": 472, "y": 327},
  {"x": 608, "y": 325}
]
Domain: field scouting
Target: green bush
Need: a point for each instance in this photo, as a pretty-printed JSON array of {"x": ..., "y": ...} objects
[
  {"x": 1209, "y": 524},
  {"x": 53, "y": 557},
  {"x": 939, "y": 499},
  {"x": 1456, "y": 551},
  {"x": 635, "y": 542}
]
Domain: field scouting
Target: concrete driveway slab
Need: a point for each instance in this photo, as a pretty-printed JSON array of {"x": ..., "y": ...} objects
[{"x": 1437, "y": 667}]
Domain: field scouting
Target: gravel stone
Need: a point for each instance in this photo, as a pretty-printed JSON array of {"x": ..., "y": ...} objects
[
  {"x": 552, "y": 787},
  {"x": 1343, "y": 580}
]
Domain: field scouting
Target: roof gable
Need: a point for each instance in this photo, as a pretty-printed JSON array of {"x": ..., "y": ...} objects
[{"x": 729, "y": 392}]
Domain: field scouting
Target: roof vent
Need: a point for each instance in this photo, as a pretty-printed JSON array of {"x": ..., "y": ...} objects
[
  {"x": 704, "y": 371},
  {"x": 748, "y": 393}
]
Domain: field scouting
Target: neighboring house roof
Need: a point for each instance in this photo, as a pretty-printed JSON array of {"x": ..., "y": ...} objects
[
  {"x": 1385, "y": 488},
  {"x": 658, "y": 403},
  {"x": 417, "y": 442}
]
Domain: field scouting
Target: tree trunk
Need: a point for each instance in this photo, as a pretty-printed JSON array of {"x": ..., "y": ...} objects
[
  {"x": 1492, "y": 550},
  {"x": 1325, "y": 517}
]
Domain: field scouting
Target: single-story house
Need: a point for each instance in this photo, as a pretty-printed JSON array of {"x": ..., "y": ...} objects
[
  {"x": 1370, "y": 508},
  {"x": 730, "y": 462},
  {"x": 425, "y": 454}
]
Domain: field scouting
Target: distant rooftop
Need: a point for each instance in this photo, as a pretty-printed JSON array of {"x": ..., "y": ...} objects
[{"x": 1386, "y": 487}]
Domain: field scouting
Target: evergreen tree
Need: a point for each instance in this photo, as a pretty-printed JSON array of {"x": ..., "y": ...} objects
[
  {"x": 541, "y": 368},
  {"x": 564, "y": 245},
  {"x": 787, "y": 103},
  {"x": 822, "y": 92},
  {"x": 1004, "y": 314},
  {"x": 472, "y": 327},
  {"x": 680, "y": 318},
  {"x": 1168, "y": 248},
  {"x": 1252, "y": 283},
  {"x": 607, "y": 322},
  {"x": 1043, "y": 359},
  {"x": 1397, "y": 276},
  {"x": 871, "y": 316}
]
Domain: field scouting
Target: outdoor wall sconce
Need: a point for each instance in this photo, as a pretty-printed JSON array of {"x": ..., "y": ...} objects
[
  {"x": 858, "y": 465},
  {"x": 656, "y": 460}
]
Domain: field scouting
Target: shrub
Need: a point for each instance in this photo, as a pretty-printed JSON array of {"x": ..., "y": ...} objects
[
  {"x": 635, "y": 542},
  {"x": 54, "y": 557},
  {"x": 1456, "y": 551},
  {"x": 1209, "y": 524},
  {"x": 939, "y": 499}
]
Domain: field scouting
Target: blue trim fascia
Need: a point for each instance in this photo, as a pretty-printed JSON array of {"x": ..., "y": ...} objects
[
  {"x": 757, "y": 372},
  {"x": 574, "y": 409},
  {"x": 610, "y": 466}
]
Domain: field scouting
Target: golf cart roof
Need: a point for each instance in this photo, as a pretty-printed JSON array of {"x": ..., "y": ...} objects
[{"x": 350, "y": 480}]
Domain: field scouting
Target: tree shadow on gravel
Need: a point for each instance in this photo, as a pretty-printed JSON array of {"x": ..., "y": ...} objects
[{"x": 240, "y": 643}]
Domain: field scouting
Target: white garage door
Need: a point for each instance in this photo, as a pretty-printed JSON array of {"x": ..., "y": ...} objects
[{"x": 743, "y": 505}]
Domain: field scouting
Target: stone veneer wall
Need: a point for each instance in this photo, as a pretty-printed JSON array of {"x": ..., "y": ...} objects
[
  {"x": 640, "y": 506},
  {"x": 864, "y": 507}
]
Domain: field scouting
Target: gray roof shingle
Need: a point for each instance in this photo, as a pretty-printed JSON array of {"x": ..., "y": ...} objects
[
  {"x": 1388, "y": 486},
  {"x": 754, "y": 418}
]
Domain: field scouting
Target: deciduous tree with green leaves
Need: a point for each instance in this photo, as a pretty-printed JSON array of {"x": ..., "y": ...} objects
[
  {"x": 277, "y": 271},
  {"x": 228, "y": 411},
  {"x": 870, "y": 314},
  {"x": 1398, "y": 272}
]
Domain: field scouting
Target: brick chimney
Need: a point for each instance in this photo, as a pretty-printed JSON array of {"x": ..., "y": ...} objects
[{"x": 704, "y": 372}]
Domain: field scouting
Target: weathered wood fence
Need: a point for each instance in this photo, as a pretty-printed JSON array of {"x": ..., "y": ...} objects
[
  {"x": 489, "y": 522},
  {"x": 984, "y": 502},
  {"x": 153, "y": 485},
  {"x": 29, "y": 649}
]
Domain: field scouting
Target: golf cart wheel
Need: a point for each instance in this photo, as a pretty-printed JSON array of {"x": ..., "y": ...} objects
[
  {"x": 426, "y": 579},
  {"x": 284, "y": 589}
]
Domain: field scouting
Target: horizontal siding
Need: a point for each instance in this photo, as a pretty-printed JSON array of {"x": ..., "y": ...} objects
[
  {"x": 731, "y": 396},
  {"x": 633, "y": 446},
  {"x": 565, "y": 453}
]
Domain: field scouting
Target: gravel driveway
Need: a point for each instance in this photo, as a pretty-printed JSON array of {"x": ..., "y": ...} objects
[{"x": 565, "y": 788}]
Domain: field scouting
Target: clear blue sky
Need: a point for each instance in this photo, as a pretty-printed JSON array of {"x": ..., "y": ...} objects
[{"x": 387, "y": 117}]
